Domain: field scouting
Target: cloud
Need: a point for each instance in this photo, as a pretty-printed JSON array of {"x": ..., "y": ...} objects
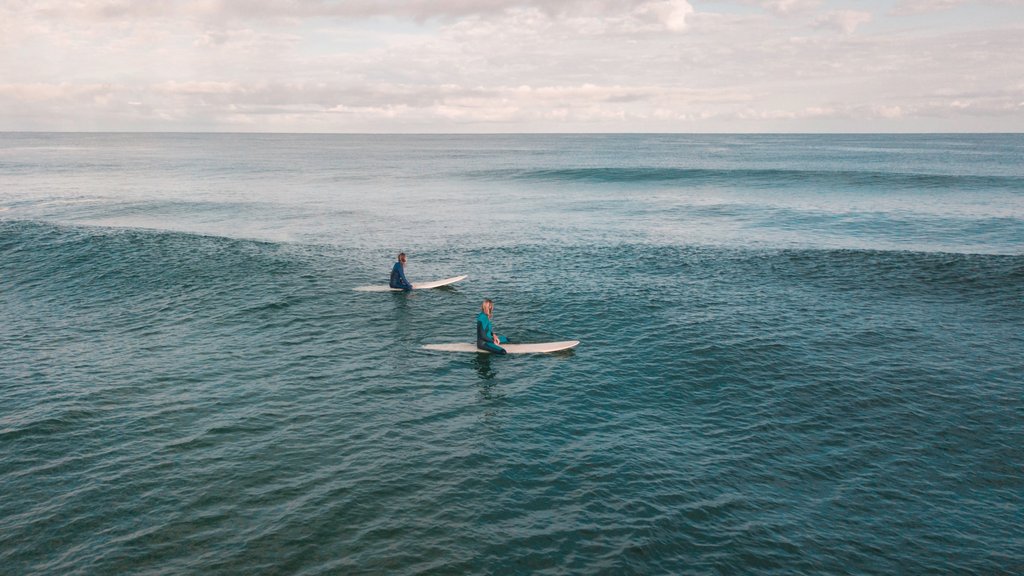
[
  {"x": 223, "y": 104},
  {"x": 916, "y": 7},
  {"x": 234, "y": 10},
  {"x": 846, "y": 21},
  {"x": 671, "y": 14},
  {"x": 63, "y": 92},
  {"x": 783, "y": 7},
  {"x": 628, "y": 14},
  {"x": 905, "y": 7},
  {"x": 498, "y": 66},
  {"x": 340, "y": 107},
  {"x": 883, "y": 111}
]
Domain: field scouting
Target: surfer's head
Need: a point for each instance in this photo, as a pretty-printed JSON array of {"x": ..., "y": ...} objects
[
  {"x": 487, "y": 306},
  {"x": 401, "y": 257}
]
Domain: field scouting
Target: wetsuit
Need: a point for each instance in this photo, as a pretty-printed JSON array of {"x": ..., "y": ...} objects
[
  {"x": 398, "y": 279},
  {"x": 485, "y": 335}
]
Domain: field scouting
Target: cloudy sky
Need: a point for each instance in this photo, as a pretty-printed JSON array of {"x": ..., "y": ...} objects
[{"x": 512, "y": 65}]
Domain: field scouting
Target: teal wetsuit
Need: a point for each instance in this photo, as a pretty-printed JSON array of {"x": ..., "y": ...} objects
[{"x": 485, "y": 335}]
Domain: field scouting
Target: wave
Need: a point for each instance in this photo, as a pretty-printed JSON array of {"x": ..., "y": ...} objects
[
  {"x": 53, "y": 261},
  {"x": 64, "y": 246},
  {"x": 756, "y": 177},
  {"x": 109, "y": 267}
]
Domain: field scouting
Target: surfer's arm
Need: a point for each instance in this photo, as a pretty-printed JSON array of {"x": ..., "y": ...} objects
[{"x": 402, "y": 279}]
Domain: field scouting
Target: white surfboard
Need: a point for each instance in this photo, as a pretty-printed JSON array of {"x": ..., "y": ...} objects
[
  {"x": 415, "y": 285},
  {"x": 537, "y": 348}
]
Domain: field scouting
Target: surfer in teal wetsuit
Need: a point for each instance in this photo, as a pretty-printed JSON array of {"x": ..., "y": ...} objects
[
  {"x": 486, "y": 339},
  {"x": 398, "y": 279}
]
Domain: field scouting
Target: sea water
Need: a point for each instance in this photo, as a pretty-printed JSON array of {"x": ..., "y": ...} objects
[{"x": 800, "y": 354}]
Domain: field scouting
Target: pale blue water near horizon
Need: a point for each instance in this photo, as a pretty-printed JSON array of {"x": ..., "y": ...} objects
[{"x": 800, "y": 354}]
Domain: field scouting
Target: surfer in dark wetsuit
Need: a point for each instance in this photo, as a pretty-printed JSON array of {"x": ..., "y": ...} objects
[
  {"x": 398, "y": 279},
  {"x": 486, "y": 339}
]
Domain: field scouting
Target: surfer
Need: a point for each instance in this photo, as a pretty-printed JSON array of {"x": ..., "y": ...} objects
[
  {"x": 398, "y": 279},
  {"x": 486, "y": 339}
]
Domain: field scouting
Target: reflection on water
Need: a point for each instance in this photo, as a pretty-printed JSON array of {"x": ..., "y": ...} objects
[{"x": 482, "y": 363}]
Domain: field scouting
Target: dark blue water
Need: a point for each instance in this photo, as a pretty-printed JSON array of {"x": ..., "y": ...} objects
[{"x": 800, "y": 354}]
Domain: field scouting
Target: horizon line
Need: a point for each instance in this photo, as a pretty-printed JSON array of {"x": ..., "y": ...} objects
[{"x": 622, "y": 133}]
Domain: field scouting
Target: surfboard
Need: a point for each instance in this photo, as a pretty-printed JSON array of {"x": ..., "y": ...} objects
[
  {"x": 536, "y": 348},
  {"x": 415, "y": 285}
]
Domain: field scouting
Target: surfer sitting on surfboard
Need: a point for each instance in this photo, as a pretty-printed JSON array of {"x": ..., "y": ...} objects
[
  {"x": 486, "y": 339},
  {"x": 398, "y": 279}
]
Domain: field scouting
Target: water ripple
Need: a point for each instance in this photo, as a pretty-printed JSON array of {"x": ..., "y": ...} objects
[{"x": 182, "y": 403}]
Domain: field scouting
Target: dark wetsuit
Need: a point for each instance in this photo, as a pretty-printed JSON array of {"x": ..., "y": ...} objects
[
  {"x": 485, "y": 335},
  {"x": 398, "y": 279}
]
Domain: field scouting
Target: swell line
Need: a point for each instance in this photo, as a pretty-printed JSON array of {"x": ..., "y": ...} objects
[{"x": 759, "y": 177}]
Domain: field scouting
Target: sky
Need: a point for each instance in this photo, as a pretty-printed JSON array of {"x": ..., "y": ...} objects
[{"x": 501, "y": 66}]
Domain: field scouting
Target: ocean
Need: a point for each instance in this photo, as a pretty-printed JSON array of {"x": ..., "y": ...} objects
[{"x": 800, "y": 354}]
